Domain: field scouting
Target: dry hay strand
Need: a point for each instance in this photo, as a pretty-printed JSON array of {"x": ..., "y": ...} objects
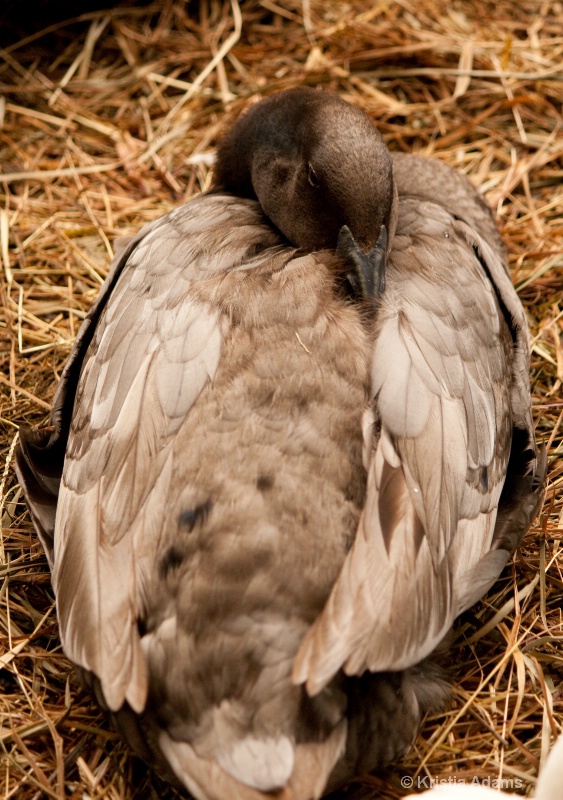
[{"x": 107, "y": 121}]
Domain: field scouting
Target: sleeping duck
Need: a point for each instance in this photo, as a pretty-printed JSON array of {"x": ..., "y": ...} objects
[{"x": 291, "y": 444}]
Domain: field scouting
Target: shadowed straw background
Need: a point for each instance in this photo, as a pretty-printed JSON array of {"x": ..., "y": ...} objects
[{"x": 107, "y": 121}]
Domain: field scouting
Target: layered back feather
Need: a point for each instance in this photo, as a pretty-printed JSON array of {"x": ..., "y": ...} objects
[{"x": 449, "y": 377}]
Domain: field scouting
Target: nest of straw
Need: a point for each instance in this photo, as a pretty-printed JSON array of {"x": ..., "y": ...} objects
[{"x": 106, "y": 122}]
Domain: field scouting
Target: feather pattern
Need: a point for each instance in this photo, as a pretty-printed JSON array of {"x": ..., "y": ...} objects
[
  {"x": 449, "y": 381},
  {"x": 153, "y": 352},
  {"x": 176, "y": 522}
]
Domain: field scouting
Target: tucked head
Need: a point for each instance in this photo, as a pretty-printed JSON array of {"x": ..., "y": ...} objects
[{"x": 315, "y": 163}]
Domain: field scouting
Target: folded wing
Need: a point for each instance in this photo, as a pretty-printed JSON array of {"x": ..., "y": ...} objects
[
  {"x": 147, "y": 350},
  {"x": 450, "y": 382}
]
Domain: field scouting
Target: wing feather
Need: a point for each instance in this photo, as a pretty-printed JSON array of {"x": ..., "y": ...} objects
[
  {"x": 149, "y": 348},
  {"x": 441, "y": 377}
]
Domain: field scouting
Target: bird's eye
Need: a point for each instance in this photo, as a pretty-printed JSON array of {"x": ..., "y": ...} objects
[{"x": 313, "y": 180}]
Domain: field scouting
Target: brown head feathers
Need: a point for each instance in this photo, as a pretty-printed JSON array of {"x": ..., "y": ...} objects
[{"x": 315, "y": 163}]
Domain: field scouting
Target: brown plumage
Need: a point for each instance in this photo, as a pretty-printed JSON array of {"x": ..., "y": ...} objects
[
  {"x": 258, "y": 488},
  {"x": 449, "y": 373}
]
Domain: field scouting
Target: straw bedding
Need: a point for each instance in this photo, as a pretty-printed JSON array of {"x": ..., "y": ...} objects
[{"x": 107, "y": 121}]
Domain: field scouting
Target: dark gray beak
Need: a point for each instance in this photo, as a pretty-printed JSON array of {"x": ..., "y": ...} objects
[{"x": 367, "y": 272}]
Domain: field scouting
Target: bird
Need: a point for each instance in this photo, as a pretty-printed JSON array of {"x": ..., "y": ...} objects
[
  {"x": 292, "y": 442},
  {"x": 548, "y": 787}
]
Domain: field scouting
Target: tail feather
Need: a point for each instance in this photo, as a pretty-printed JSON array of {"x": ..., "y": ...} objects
[
  {"x": 207, "y": 780},
  {"x": 265, "y": 764}
]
